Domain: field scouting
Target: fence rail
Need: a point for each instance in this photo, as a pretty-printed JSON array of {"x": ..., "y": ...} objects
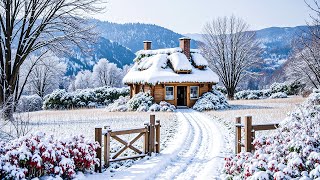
[
  {"x": 151, "y": 142},
  {"x": 249, "y": 132}
]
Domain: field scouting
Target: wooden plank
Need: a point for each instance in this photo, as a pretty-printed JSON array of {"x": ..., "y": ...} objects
[
  {"x": 119, "y": 152},
  {"x": 238, "y": 136},
  {"x": 152, "y": 133},
  {"x": 107, "y": 148},
  {"x": 129, "y": 145},
  {"x": 263, "y": 127},
  {"x": 98, "y": 138},
  {"x": 128, "y": 157},
  {"x": 128, "y": 131},
  {"x": 158, "y": 136},
  {"x": 248, "y": 129}
]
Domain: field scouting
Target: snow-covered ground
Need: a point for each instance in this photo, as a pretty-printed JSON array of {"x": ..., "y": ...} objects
[
  {"x": 193, "y": 143},
  {"x": 195, "y": 153}
]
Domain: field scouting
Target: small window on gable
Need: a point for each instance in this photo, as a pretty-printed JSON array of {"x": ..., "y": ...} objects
[
  {"x": 169, "y": 93},
  {"x": 194, "y": 92}
]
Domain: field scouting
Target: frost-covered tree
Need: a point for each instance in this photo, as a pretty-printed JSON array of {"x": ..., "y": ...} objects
[
  {"x": 106, "y": 74},
  {"x": 83, "y": 80},
  {"x": 45, "y": 74},
  {"x": 28, "y": 26},
  {"x": 231, "y": 50},
  {"x": 304, "y": 65}
]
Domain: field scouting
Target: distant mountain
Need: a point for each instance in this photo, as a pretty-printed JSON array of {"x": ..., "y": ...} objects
[
  {"x": 103, "y": 48},
  {"x": 132, "y": 35},
  {"x": 119, "y": 42}
]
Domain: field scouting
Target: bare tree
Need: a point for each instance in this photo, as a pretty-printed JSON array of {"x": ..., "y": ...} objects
[
  {"x": 231, "y": 50},
  {"x": 304, "y": 65},
  {"x": 28, "y": 26}
]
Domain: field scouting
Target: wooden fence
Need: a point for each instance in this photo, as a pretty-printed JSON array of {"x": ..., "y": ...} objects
[
  {"x": 151, "y": 142},
  {"x": 249, "y": 132}
]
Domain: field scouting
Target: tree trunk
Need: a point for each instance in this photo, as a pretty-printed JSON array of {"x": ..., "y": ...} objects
[{"x": 230, "y": 92}]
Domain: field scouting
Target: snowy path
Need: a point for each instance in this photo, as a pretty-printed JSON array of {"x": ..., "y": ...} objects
[
  {"x": 199, "y": 157},
  {"x": 195, "y": 153}
]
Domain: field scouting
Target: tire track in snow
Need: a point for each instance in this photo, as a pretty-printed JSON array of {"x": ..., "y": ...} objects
[
  {"x": 186, "y": 155},
  {"x": 194, "y": 154},
  {"x": 202, "y": 158}
]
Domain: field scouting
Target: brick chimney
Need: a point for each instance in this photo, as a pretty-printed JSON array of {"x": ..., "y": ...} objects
[
  {"x": 185, "y": 46},
  {"x": 146, "y": 45}
]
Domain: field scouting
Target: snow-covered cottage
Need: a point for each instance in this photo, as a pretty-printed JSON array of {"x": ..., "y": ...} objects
[{"x": 176, "y": 75}]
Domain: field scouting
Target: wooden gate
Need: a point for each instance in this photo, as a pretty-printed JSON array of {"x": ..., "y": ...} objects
[
  {"x": 151, "y": 142},
  {"x": 249, "y": 132}
]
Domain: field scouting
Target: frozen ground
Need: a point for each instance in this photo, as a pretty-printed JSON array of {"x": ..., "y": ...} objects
[
  {"x": 262, "y": 111},
  {"x": 193, "y": 143},
  {"x": 195, "y": 153}
]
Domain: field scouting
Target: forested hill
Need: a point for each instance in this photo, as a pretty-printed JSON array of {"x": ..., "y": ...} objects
[
  {"x": 119, "y": 42},
  {"x": 132, "y": 35}
]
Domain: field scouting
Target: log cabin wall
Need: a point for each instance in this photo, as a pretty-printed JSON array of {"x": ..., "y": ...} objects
[{"x": 158, "y": 91}]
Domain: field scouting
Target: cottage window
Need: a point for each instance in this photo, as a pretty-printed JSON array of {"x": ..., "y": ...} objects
[
  {"x": 169, "y": 93},
  {"x": 194, "y": 92}
]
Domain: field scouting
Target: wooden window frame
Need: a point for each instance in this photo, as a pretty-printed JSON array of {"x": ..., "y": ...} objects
[
  {"x": 165, "y": 93},
  {"x": 198, "y": 92}
]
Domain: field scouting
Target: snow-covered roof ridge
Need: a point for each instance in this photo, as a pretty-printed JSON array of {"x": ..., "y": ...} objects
[
  {"x": 180, "y": 62},
  {"x": 169, "y": 65}
]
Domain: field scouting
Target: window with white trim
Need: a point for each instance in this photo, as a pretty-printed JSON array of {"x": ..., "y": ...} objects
[
  {"x": 194, "y": 92},
  {"x": 169, "y": 93}
]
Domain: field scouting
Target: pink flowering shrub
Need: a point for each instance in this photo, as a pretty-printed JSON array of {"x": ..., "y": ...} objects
[
  {"x": 39, "y": 155},
  {"x": 292, "y": 151}
]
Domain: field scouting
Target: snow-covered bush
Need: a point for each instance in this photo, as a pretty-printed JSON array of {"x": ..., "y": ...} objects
[
  {"x": 279, "y": 87},
  {"x": 162, "y": 106},
  {"x": 213, "y": 100},
  {"x": 60, "y": 99},
  {"x": 139, "y": 102},
  {"x": 253, "y": 94},
  {"x": 291, "y": 152},
  {"x": 289, "y": 88},
  {"x": 29, "y": 103},
  {"x": 278, "y": 95},
  {"x": 39, "y": 155},
  {"x": 119, "y": 104},
  {"x": 222, "y": 89}
]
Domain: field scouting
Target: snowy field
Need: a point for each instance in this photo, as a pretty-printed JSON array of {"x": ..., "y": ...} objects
[
  {"x": 193, "y": 144},
  {"x": 66, "y": 122},
  {"x": 262, "y": 110}
]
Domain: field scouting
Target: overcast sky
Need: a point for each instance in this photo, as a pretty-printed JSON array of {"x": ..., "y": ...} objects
[{"x": 189, "y": 16}]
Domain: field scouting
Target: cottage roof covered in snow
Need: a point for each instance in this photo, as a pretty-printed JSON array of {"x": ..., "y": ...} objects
[{"x": 169, "y": 66}]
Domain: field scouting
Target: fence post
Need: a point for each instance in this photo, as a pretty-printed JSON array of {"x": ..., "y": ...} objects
[
  {"x": 152, "y": 133},
  {"x": 98, "y": 138},
  {"x": 248, "y": 132},
  {"x": 146, "y": 139},
  {"x": 107, "y": 148},
  {"x": 238, "y": 135},
  {"x": 158, "y": 136}
]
